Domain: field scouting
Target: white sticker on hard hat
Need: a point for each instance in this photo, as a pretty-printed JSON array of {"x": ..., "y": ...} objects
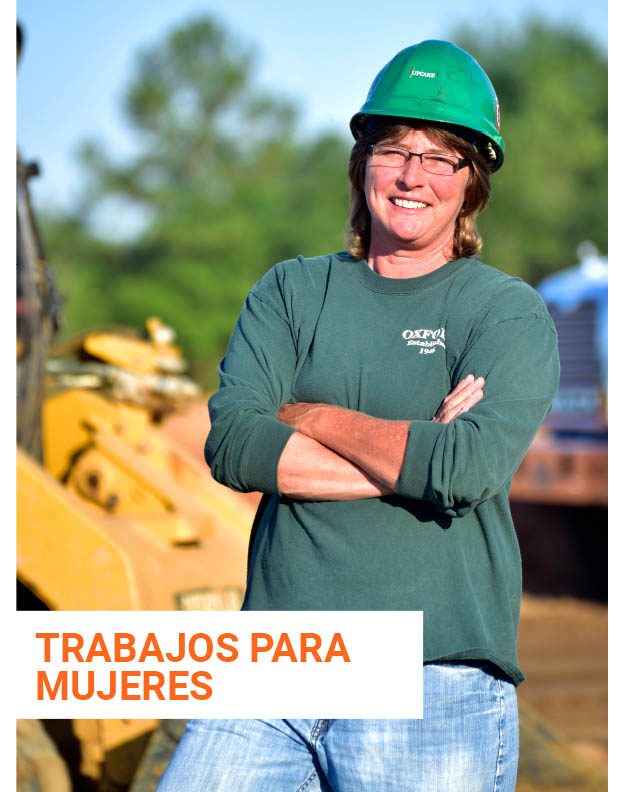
[{"x": 419, "y": 73}]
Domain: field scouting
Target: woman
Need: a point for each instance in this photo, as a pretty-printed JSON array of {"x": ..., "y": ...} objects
[{"x": 382, "y": 399}]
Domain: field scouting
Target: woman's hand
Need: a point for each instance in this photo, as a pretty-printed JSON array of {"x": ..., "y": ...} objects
[{"x": 461, "y": 399}]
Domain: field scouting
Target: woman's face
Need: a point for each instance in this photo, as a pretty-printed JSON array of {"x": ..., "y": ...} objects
[{"x": 429, "y": 221}]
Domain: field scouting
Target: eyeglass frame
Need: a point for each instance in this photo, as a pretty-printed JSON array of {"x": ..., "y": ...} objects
[{"x": 461, "y": 161}]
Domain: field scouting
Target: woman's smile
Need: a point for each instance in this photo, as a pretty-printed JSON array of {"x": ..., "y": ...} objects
[{"x": 409, "y": 204}]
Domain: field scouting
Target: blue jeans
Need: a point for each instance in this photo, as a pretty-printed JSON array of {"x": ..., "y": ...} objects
[{"x": 467, "y": 741}]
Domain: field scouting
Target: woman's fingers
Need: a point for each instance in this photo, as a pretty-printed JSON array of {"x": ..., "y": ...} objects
[
  {"x": 467, "y": 388},
  {"x": 463, "y": 389},
  {"x": 462, "y": 398},
  {"x": 467, "y": 403},
  {"x": 466, "y": 382}
]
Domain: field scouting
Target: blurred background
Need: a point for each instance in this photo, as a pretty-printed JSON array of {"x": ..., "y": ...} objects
[{"x": 168, "y": 154}]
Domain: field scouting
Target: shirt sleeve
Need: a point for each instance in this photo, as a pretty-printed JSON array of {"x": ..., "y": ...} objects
[
  {"x": 246, "y": 439},
  {"x": 458, "y": 465}
]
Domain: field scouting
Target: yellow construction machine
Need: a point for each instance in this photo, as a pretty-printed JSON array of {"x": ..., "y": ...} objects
[
  {"x": 113, "y": 511},
  {"x": 119, "y": 515}
]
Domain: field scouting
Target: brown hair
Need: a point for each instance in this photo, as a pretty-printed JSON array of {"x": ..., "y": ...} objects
[{"x": 467, "y": 240}]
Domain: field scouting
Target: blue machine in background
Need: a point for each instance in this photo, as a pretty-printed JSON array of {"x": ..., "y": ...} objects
[
  {"x": 559, "y": 494},
  {"x": 577, "y": 301}
]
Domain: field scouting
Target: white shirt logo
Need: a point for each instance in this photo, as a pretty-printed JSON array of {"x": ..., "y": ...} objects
[{"x": 426, "y": 340}]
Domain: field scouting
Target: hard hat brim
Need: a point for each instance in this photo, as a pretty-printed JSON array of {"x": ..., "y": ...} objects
[{"x": 449, "y": 121}]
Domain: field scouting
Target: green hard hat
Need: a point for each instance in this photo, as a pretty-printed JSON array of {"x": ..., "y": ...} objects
[{"x": 437, "y": 81}]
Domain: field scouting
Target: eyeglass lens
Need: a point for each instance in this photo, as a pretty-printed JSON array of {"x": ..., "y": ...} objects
[{"x": 391, "y": 157}]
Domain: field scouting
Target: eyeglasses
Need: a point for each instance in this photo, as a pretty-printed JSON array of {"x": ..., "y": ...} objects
[{"x": 389, "y": 156}]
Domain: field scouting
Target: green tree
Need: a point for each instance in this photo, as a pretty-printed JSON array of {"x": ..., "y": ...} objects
[{"x": 224, "y": 184}]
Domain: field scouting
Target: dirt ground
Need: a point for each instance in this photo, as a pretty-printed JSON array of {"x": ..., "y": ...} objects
[{"x": 563, "y": 652}]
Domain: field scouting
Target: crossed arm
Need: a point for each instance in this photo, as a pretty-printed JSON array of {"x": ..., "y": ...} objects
[
  {"x": 323, "y": 452},
  {"x": 340, "y": 454}
]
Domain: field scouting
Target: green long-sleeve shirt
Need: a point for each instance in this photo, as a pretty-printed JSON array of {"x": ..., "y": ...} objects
[{"x": 330, "y": 329}]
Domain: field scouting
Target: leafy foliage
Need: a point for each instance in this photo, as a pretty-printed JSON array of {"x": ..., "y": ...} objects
[
  {"x": 552, "y": 191},
  {"x": 227, "y": 187}
]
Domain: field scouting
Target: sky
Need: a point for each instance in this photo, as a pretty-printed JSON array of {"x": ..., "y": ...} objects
[{"x": 78, "y": 58}]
